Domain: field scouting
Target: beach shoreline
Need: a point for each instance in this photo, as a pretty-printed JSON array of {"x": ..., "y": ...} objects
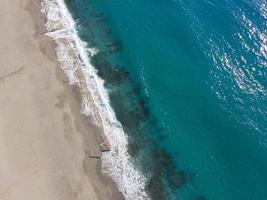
[
  {"x": 45, "y": 140},
  {"x": 74, "y": 56}
]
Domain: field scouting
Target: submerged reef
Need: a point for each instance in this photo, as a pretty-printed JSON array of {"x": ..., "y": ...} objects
[{"x": 132, "y": 110}]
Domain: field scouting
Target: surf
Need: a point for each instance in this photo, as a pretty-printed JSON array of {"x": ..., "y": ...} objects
[{"x": 74, "y": 58}]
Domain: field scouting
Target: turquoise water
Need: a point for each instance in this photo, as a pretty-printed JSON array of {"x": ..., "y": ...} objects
[{"x": 187, "y": 80}]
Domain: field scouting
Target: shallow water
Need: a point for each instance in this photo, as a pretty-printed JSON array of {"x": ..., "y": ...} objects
[{"x": 187, "y": 80}]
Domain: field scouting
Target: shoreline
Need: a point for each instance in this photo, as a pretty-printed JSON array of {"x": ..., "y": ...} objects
[
  {"x": 74, "y": 57},
  {"x": 45, "y": 140}
]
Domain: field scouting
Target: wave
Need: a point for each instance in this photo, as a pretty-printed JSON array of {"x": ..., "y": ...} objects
[{"x": 74, "y": 58}]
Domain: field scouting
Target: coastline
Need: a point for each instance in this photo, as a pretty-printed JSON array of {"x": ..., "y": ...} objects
[
  {"x": 74, "y": 57},
  {"x": 45, "y": 140}
]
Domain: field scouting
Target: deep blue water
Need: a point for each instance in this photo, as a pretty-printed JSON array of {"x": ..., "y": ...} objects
[{"x": 187, "y": 79}]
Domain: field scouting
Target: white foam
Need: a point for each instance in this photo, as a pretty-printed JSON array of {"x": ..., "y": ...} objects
[{"x": 75, "y": 61}]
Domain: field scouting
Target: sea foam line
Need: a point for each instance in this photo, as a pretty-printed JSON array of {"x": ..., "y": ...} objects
[{"x": 75, "y": 62}]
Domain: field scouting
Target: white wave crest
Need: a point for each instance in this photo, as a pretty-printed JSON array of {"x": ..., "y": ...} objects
[{"x": 74, "y": 59}]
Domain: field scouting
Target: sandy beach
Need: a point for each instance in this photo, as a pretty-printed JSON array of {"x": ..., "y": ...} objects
[{"x": 44, "y": 140}]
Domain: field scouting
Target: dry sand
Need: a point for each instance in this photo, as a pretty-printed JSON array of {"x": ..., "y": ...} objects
[{"x": 44, "y": 140}]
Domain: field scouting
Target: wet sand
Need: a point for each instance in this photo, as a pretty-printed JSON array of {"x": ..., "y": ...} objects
[{"x": 44, "y": 140}]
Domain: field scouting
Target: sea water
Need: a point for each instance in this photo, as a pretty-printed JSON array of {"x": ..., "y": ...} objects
[{"x": 187, "y": 81}]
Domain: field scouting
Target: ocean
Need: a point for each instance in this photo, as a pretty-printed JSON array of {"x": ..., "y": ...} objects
[{"x": 187, "y": 82}]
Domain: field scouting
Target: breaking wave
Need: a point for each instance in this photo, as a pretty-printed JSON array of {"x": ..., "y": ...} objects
[{"x": 74, "y": 57}]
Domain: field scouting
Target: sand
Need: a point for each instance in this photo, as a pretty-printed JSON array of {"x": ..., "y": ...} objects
[{"x": 44, "y": 140}]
